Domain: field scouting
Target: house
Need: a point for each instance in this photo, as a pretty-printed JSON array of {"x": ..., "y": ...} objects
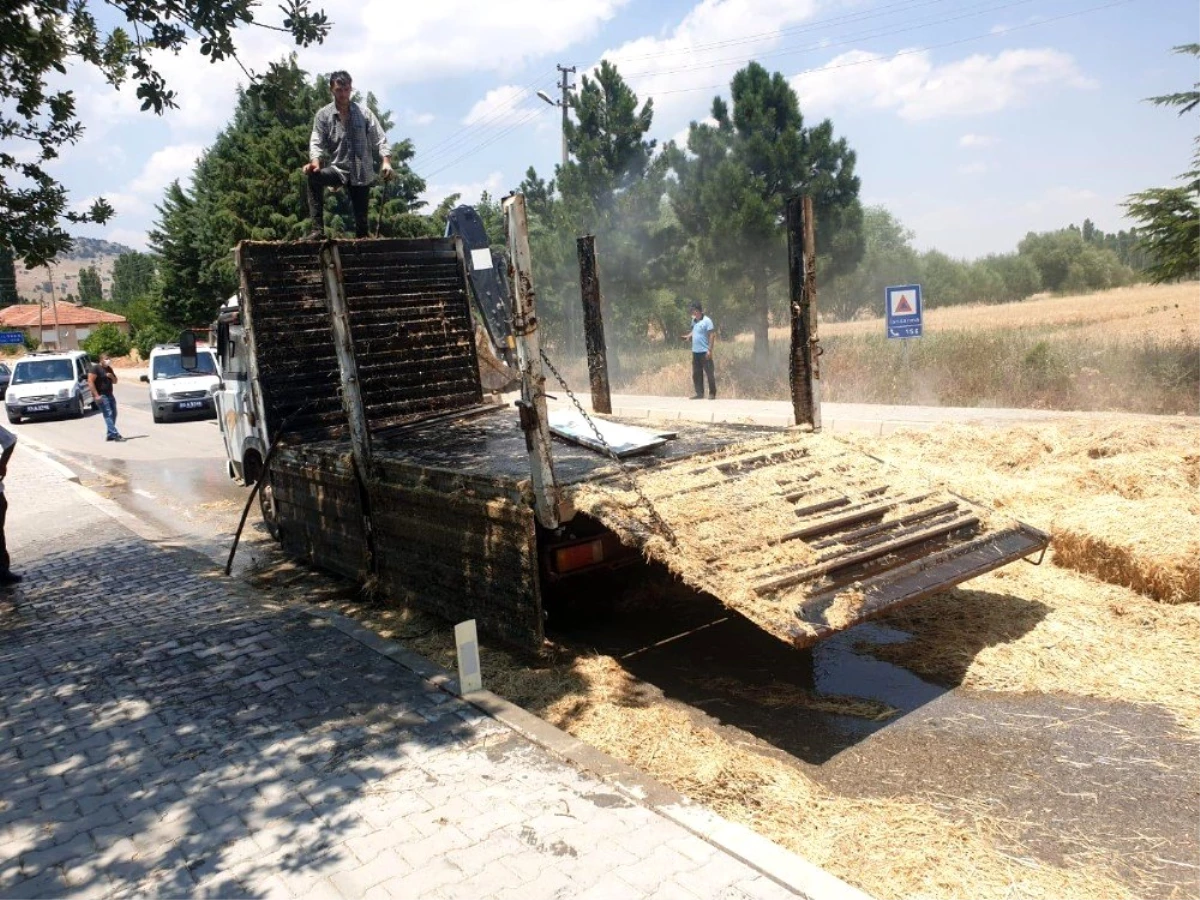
[{"x": 59, "y": 326}]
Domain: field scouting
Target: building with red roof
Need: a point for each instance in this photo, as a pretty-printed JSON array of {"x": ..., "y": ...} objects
[{"x": 59, "y": 326}]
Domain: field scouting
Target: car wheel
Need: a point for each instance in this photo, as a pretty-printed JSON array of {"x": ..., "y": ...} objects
[
  {"x": 266, "y": 505},
  {"x": 157, "y": 418},
  {"x": 14, "y": 420},
  {"x": 77, "y": 412}
]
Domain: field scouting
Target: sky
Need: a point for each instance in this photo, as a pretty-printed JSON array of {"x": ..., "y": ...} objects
[{"x": 974, "y": 121}]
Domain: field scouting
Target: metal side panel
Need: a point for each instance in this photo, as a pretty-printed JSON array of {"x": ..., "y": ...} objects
[{"x": 804, "y": 535}]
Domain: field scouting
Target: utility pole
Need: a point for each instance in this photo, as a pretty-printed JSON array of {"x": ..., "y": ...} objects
[{"x": 564, "y": 103}]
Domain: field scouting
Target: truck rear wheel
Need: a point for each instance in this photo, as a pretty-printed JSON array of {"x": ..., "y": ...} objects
[{"x": 266, "y": 505}]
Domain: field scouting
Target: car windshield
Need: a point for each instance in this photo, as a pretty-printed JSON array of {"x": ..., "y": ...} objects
[
  {"x": 172, "y": 366},
  {"x": 37, "y": 370}
]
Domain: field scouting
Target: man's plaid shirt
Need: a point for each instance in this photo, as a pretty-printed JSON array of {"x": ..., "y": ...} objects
[{"x": 347, "y": 149}]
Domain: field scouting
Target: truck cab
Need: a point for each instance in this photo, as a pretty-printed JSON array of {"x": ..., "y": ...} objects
[{"x": 235, "y": 397}]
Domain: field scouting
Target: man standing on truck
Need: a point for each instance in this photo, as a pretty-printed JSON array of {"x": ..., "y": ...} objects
[
  {"x": 703, "y": 336},
  {"x": 345, "y": 133},
  {"x": 101, "y": 379}
]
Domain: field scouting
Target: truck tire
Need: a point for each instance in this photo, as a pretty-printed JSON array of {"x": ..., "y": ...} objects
[{"x": 266, "y": 506}]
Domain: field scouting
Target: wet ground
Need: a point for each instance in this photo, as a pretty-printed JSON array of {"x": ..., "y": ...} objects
[{"x": 1072, "y": 780}]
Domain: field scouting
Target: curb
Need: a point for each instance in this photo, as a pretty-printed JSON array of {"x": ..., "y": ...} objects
[{"x": 782, "y": 866}]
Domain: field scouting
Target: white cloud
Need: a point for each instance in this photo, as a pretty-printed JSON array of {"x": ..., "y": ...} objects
[
  {"x": 912, "y": 85},
  {"x": 497, "y": 106},
  {"x": 419, "y": 118},
  {"x": 469, "y": 192},
  {"x": 401, "y": 43},
  {"x": 165, "y": 166},
  {"x": 976, "y": 140},
  {"x": 132, "y": 238},
  {"x": 683, "y": 70}
]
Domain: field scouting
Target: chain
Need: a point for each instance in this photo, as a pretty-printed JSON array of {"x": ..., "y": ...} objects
[{"x": 657, "y": 520}]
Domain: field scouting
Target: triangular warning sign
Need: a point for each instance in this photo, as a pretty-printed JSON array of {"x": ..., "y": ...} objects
[{"x": 902, "y": 306}]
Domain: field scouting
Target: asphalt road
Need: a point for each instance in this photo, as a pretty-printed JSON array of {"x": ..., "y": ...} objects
[{"x": 171, "y": 474}]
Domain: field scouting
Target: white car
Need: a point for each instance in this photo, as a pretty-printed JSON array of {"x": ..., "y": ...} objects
[
  {"x": 49, "y": 384},
  {"x": 176, "y": 392}
]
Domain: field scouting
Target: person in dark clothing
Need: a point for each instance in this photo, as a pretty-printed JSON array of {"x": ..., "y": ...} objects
[
  {"x": 344, "y": 132},
  {"x": 703, "y": 336},
  {"x": 101, "y": 379},
  {"x": 8, "y": 441}
]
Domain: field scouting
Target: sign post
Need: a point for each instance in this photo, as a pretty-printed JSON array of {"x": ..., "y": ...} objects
[{"x": 903, "y": 313}]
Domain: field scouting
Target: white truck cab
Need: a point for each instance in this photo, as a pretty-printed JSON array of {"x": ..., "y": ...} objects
[
  {"x": 176, "y": 392},
  {"x": 49, "y": 384},
  {"x": 237, "y": 409}
]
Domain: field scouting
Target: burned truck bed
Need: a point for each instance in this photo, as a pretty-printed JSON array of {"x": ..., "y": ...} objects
[{"x": 392, "y": 468}]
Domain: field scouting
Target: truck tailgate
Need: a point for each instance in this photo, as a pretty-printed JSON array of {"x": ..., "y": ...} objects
[{"x": 804, "y": 535}]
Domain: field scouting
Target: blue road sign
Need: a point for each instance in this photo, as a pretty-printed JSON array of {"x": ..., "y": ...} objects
[
  {"x": 903, "y": 310},
  {"x": 11, "y": 337}
]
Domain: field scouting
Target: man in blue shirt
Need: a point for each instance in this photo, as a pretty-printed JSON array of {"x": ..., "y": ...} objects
[{"x": 702, "y": 336}]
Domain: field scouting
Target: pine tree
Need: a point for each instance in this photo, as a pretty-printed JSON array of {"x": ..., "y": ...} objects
[
  {"x": 732, "y": 188},
  {"x": 1170, "y": 216},
  {"x": 133, "y": 277}
]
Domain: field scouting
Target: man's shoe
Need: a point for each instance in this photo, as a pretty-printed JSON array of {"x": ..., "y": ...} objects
[
  {"x": 11, "y": 578},
  {"x": 712, "y": 396},
  {"x": 697, "y": 397},
  {"x": 314, "y": 235},
  {"x": 114, "y": 437}
]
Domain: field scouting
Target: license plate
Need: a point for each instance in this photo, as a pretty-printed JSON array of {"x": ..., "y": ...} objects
[
  {"x": 189, "y": 404},
  {"x": 38, "y": 407}
]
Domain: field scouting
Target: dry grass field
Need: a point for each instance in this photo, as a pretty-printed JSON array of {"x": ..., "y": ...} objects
[
  {"x": 1133, "y": 349},
  {"x": 1163, "y": 312}
]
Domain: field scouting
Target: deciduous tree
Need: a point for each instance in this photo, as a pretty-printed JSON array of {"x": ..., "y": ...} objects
[
  {"x": 91, "y": 291},
  {"x": 41, "y": 37}
]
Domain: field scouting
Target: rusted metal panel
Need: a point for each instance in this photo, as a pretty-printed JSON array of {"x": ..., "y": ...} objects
[
  {"x": 593, "y": 324},
  {"x": 460, "y": 557},
  {"x": 320, "y": 510},
  {"x": 547, "y": 496},
  {"x": 868, "y": 545},
  {"x": 805, "y": 357}
]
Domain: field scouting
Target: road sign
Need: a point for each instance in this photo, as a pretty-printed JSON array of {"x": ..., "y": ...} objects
[
  {"x": 903, "y": 310},
  {"x": 11, "y": 337}
]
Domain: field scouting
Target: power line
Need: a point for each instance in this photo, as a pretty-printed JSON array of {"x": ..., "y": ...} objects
[
  {"x": 982, "y": 9},
  {"x": 909, "y": 52}
]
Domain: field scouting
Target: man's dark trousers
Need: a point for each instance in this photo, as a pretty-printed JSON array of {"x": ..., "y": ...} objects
[
  {"x": 702, "y": 365},
  {"x": 4, "y": 560},
  {"x": 330, "y": 177}
]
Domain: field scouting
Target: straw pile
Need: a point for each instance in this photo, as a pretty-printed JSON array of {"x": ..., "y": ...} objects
[
  {"x": 1120, "y": 501},
  {"x": 729, "y": 510}
]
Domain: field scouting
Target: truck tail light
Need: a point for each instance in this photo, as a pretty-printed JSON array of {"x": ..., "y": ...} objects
[{"x": 577, "y": 556}]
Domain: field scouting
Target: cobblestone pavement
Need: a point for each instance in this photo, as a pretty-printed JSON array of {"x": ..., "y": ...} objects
[{"x": 164, "y": 732}]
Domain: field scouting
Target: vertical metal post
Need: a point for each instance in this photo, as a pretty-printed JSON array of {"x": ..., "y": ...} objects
[
  {"x": 804, "y": 359},
  {"x": 352, "y": 403},
  {"x": 547, "y": 499},
  {"x": 593, "y": 324}
]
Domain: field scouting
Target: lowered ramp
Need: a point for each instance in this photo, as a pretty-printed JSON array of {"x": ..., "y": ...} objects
[{"x": 804, "y": 535}]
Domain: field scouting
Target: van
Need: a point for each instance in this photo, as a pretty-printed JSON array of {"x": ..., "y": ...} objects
[
  {"x": 176, "y": 392},
  {"x": 49, "y": 384}
]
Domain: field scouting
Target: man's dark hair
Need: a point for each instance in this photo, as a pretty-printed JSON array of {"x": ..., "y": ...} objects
[
  {"x": 339, "y": 77},
  {"x": 697, "y": 307}
]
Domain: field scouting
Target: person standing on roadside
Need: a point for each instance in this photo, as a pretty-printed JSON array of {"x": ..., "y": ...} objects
[
  {"x": 344, "y": 133},
  {"x": 101, "y": 379},
  {"x": 8, "y": 441},
  {"x": 703, "y": 336}
]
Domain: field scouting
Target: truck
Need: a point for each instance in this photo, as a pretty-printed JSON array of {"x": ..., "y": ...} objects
[{"x": 353, "y": 399}]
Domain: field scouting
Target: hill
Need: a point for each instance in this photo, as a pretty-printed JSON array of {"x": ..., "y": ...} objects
[{"x": 35, "y": 284}]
